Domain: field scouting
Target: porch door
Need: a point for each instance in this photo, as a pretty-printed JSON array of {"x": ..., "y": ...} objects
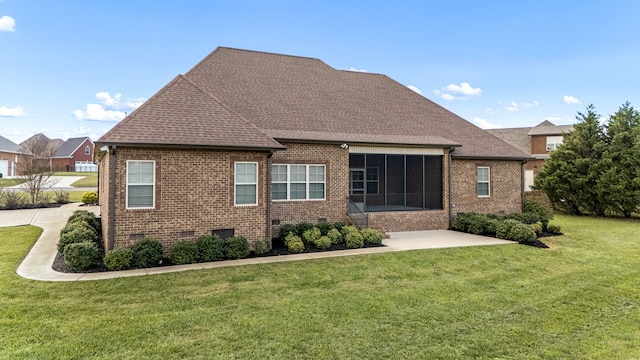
[{"x": 356, "y": 187}]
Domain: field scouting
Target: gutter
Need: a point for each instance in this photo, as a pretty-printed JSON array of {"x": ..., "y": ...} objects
[{"x": 112, "y": 198}]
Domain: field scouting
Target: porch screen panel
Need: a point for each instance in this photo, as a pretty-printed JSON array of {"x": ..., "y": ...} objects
[
  {"x": 433, "y": 182},
  {"x": 395, "y": 182},
  {"x": 415, "y": 183},
  {"x": 375, "y": 200}
]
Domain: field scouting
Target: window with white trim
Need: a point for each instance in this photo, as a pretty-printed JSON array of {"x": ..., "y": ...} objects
[
  {"x": 553, "y": 142},
  {"x": 87, "y": 150},
  {"x": 298, "y": 182},
  {"x": 141, "y": 178},
  {"x": 484, "y": 179},
  {"x": 246, "y": 183}
]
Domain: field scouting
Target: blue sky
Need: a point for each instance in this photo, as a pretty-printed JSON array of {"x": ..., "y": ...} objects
[{"x": 74, "y": 68}]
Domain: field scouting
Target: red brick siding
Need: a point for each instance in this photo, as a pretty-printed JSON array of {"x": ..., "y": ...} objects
[
  {"x": 69, "y": 164},
  {"x": 333, "y": 208},
  {"x": 194, "y": 192},
  {"x": 505, "y": 187},
  {"x": 10, "y": 162}
]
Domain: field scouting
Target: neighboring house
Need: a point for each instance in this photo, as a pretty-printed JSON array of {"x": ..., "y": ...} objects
[
  {"x": 75, "y": 154},
  {"x": 538, "y": 141},
  {"x": 247, "y": 141},
  {"x": 42, "y": 149},
  {"x": 9, "y": 157}
]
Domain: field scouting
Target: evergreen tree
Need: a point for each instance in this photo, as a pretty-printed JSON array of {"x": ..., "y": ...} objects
[{"x": 570, "y": 176}]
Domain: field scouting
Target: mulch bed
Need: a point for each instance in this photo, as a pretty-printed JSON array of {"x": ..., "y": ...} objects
[{"x": 278, "y": 249}]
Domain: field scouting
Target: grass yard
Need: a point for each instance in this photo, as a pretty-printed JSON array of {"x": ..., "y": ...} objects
[{"x": 578, "y": 300}]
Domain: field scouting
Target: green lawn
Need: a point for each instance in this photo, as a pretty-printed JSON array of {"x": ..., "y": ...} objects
[{"x": 578, "y": 300}]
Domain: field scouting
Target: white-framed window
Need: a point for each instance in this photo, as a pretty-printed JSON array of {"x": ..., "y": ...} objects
[
  {"x": 484, "y": 180},
  {"x": 87, "y": 150},
  {"x": 246, "y": 183},
  {"x": 141, "y": 178},
  {"x": 298, "y": 182},
  {"x": 553, "y": 142}
]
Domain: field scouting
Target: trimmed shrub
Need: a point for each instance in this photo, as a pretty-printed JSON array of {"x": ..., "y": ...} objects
[
  {"x": 335, "y": 235},
  {"x": 81, "y": 256},
  {"x": 537, "y": 227},
  {"x": 295, "y": 244},
  {"x": 90, "y": 197},
  {"x": 522, "y": 233},
  {"x": 236, "y": 247},
  {"x": 504, "y": 228},
  {"x": 76, "y": 233},
  {"x": 353, "y": 239},
  {"x": 261, "y": 246},
  {"x": 147, "y": 253},
  {"x": 554, "y": 229},
  {"x": 302, "y": 227},
  {"x": 183, "y": 252},
  {"x": 87, "y": 216},
  {"x": 287, "y": 229},
  {"x": 324, "y": 242},
  {"x": 210, "y": 248},
  {"x": 372, "y": 236},
  {"x": 118, "y": 259},
  {"x": 537, "y": 202},
  {"x": 290, "y": 237},
  {"x": 324, "y": 227},
  {"x": 339, "y": 225},
  {"x": 312, "y": 235},
  {"x": 475, "y": 223},
  {"x": 348, "y": 229}
]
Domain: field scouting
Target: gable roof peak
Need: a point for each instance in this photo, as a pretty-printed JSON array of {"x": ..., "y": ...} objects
[{"x": 545, "y": 123}]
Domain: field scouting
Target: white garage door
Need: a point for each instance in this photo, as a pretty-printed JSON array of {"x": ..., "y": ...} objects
[{"x": 4, "y": 168}]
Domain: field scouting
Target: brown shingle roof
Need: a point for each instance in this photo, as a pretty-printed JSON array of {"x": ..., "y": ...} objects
[
  {"x": 516, "y": 137},
  {"x": 182, "y": 114},
  {"x": 291, "y": 97}
]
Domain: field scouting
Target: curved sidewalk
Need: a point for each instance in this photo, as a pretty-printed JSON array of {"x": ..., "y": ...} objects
[{"x": 37, "y": 264}]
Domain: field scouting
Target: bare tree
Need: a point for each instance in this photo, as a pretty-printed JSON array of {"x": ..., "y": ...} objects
[{"x": 35, "y": 171}]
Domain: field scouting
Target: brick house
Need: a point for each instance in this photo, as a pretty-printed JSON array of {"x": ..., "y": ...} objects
[
  {"x": 247, "y": 141},
  {"x": 538, "y": 141},
  {"x": 75, "y": 154},
  {"x": 9, "y": 154}
]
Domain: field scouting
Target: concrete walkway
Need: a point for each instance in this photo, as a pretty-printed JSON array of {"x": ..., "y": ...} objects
[{"x": 37, "y": 264}]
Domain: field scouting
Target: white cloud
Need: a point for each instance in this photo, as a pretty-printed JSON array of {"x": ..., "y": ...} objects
[
  {"x": 513, "y": 107},
  {"x": 110, "y": 108},
  {"x": 484, "y": 124},
  {"x": 17, "y": 111},
  {"x": 571, "y": 100},
  {"x": 415, "y": 88},
  {"x": 491, "y": 111},
  {"x": 529, "y": 105},
  {"x": 357, "y": 70},
  {"x": 7, "y": 23},
  {"x": 458, "y": 92},
  {"x": 98, "y": 113}
]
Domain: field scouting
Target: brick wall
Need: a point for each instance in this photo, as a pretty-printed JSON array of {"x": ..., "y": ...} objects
[
  {"x": 505, "y": 187},
  {"x": 333, "y": 208},
  {"x": 69, "y": 164},
  {"x": 194, "y": 195},
  {"x": 10, "y": 158}
]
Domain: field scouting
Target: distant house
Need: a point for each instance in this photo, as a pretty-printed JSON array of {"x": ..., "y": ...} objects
[
  {"x": 75, "y": 154},
  {"x": 248, "y": 141},
  {"x": 9, "y": 157},
  {"x": 538, "y": 141}
]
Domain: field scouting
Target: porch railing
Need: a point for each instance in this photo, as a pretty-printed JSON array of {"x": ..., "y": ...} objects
[{"x": 356, "y": 213}]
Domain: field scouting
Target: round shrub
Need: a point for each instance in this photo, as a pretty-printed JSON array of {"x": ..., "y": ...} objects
[
  {"x": 236, "y": 247},
  {"x": 90, "y": 197},
  {"x": 84, "y": 215},
  {"x": 290, "y": 237},
  {"x": 302, "y": 227},
  {"x": 504, "y": 228},
  {"x": 81, "y": 256},
  {"x": 335, "y": 235},
  {"x": 522, "y": 233},
  {"x": 183, "y": 252},
  {"x": 348, "y": 229},
  {"x": 147, "y": 253},
  {"x": 537, "y": 227},
  {"x": 354, "y": 240},
  {"x": 324, "y": 242},
  {"x": 371, "y": 236},
  {"x": 312, "y": 235},
  {"x": 324, "y": 228},
  {"x": 75, "y": 234},
  {"x": 210, "y": 248},
  {"x": 554, "y": 229},
  {"x": 287, "y": 229},
  {"x": 295, "y": 245},
  {"x": 118, "y": 259},
  {"x": 261, "y": 246}
]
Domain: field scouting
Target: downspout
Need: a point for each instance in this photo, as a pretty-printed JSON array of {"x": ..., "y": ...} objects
[
  {"x": 451, "y": 205},
  {"x": 112, "y": 197},
  {"x": 269, "y": 195},
  {"x": 522, "y": 185}
]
